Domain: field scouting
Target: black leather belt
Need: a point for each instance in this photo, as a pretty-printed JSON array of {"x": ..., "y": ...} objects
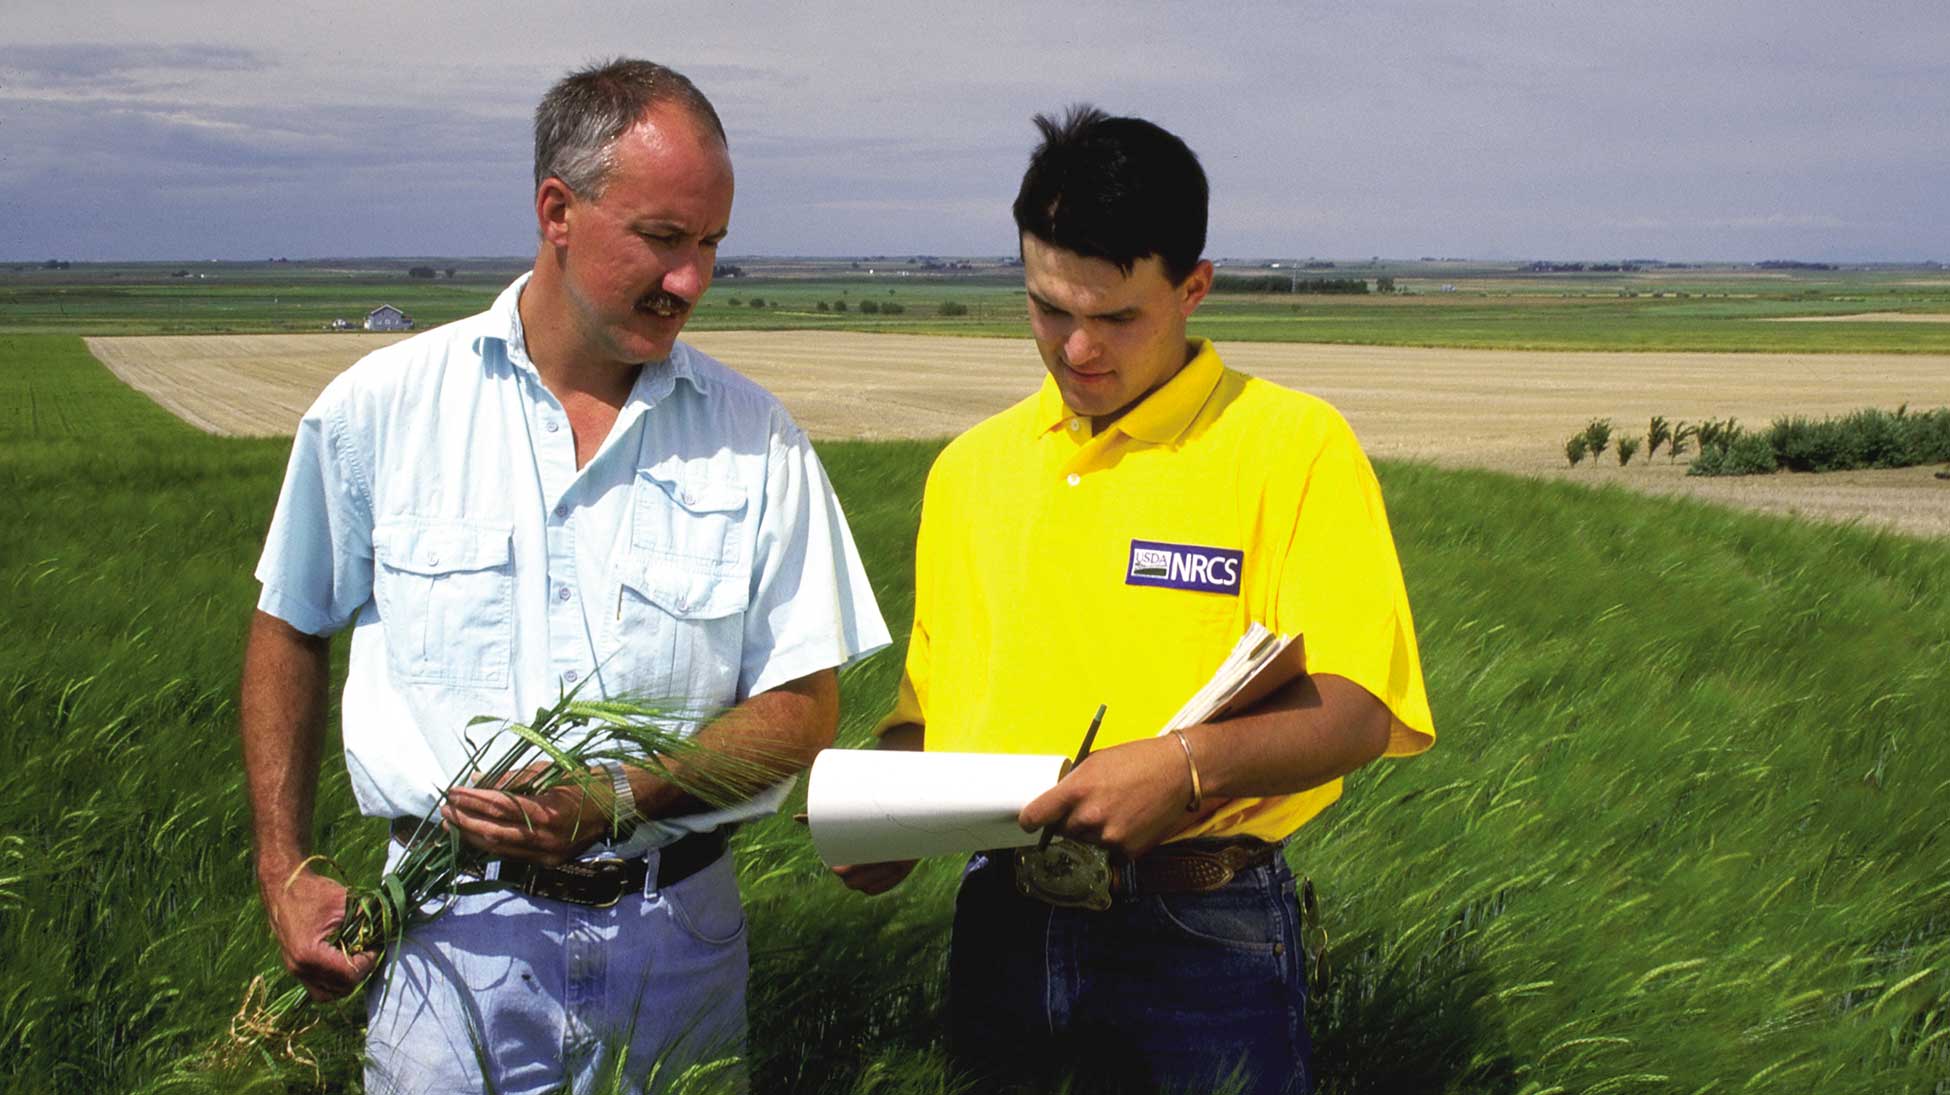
[
  {"x": 600, "y": 883},
  {"x": 603, "y": 882}
]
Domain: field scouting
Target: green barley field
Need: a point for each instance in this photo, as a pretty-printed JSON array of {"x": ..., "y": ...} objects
[{"x": 1684, "y": 830}]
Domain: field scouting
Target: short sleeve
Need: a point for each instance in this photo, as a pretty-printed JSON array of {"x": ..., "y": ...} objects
[
  {"x": 811, "y": 605},
  {"x": 316, "y": 568},
  {"x": 1340, "y": 588}
]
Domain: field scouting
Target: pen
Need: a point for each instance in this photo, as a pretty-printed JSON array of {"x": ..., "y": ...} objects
[{"x": 1083, "y": 751}]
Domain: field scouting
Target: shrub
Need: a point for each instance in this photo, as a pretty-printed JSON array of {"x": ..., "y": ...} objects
[
  {"x": 1739, "y": 454},
  {"x": 733, "y": 301},
  {"x": 839, "y": 306},
  {"x": 1597, "y": 435},
  {"x": 1626, "y": 447},
  {"x": 1867, "y": 438},
  {"x": 1656, "y": 434},
  {"x": 823, "y": 307},
  {"x": 869, "y": 308},
  {"x": 758, "y": 302},
  {"x": 953, "y": 308},
  {"x": 1574, "y": 448},
  {"x": 1714, "y": 432},
  {"x": 1680, "y": 435},
  {"x": 890, "y": 308}
]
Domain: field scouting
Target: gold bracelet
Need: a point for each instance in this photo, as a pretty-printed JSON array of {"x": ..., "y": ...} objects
[{"x": 1198, "y": 796}]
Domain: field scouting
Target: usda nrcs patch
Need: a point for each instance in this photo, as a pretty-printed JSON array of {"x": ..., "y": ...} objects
[{"x": 1184, "y": 566}]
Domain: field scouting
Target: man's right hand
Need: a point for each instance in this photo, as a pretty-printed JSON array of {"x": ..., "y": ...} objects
[
  {"x": 875, "y": 878},
  {"x": 305, "y": 913}
]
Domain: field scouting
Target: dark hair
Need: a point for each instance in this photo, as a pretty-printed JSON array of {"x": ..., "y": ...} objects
[
  {"x": 578, "y": 121},
  {"x": 1118, "y": 189}
]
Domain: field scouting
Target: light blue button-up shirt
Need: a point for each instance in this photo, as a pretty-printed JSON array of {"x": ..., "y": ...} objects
[{"x": 433, "y": 503}]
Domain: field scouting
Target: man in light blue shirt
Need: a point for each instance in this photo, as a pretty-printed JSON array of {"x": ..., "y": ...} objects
[{"x": 552, "y": 494}]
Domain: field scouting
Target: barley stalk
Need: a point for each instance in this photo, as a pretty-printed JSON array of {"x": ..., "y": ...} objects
[{"x": 558, "y": 747}]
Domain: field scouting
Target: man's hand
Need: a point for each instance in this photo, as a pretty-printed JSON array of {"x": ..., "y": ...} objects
[
  {"x": 875, "y": 878},
  {"x": 305, "y": 913},
  {"x": 1131, "y": 797},
  {"x": 1127, "y": 798},
  {"x": 550, "y": 828},
  {"x": 282, "y": 711},
  {"x": 878, "y": 878}
]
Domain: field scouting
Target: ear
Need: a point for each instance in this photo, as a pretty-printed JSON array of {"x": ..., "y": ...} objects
[
  {"x": 554, "y": 205},
  {"x": 1191, "y": 292}
]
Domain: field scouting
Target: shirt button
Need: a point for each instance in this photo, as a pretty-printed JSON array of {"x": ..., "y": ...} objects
[
  {"x": 562, "y": 511},
  {"x": 1076, "y": 424},
  {"x": 433, "y": 559},
  {"x": 563, "y": 594},
  {"x": 553, "y": 425},
  {"x": 1073, "y": 479},
  {"x": 570, "y": 676}
]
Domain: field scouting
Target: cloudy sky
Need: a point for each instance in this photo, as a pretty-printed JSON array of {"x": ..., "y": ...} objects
[{"x": 1721, "y": 129}]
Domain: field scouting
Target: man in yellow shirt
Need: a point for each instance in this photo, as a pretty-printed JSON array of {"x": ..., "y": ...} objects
[{"x": 1108, "y": 540}]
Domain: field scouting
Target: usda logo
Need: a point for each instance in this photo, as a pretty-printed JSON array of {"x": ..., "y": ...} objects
[{"x": 1184, "y": 566}]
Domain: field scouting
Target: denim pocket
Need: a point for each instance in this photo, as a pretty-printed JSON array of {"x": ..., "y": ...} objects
[
  {"x": 445, "y": 589},
  {"x": 1240, "y": 916},
  {"x": 706, "y": 905}
]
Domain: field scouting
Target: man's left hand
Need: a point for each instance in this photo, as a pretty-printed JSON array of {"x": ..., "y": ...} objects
[
  {"x": 550, "y": 828},
  {"x": 1127, "y": 798}
]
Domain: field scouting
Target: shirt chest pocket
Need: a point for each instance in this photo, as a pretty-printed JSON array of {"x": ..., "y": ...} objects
[
  {"x": 445, "y": 590},
  {"x": 685, "y": 584},
  {"x": 696, "y": 521}
]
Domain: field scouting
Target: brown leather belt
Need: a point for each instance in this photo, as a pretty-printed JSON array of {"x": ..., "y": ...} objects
[
  {"x": 1188, "y": 868},
  {"x": 599, "y": 883},
  {"x": 1077, "y": 876}
]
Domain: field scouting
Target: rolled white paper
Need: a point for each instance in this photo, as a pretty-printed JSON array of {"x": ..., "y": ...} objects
[{"x": 870, "y": 805}]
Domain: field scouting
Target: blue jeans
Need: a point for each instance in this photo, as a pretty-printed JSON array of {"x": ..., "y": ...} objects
[
  {"x": 546, "y": 994},
  {"x": 1163, "y": 992}
]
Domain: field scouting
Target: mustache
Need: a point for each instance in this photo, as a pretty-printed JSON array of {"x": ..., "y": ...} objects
[{"x": 668, "y": 303}]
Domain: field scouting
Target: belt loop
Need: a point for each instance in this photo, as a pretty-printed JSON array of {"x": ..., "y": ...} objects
[
  {"x": 491, "y": 870},
  {"x": 653, "y": 861}
]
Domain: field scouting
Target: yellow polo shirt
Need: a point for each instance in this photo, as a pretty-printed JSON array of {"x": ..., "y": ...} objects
[{"x": 1058, "y": 568}]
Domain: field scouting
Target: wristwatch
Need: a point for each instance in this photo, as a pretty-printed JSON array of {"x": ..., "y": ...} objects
[{"x": 623, "y": 816}]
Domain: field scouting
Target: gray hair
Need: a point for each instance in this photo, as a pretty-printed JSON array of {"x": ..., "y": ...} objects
[{"x": 578, "y": 121}]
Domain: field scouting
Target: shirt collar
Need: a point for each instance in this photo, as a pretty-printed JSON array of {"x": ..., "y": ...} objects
[
  {"x": 653, "y": 382},
  {"x": 1159, "y": 417}
]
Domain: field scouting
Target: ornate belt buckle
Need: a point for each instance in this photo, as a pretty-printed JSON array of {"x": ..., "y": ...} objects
[
  {"x": 595, "y": 883},
  {"x": 1065, "y": 874}
]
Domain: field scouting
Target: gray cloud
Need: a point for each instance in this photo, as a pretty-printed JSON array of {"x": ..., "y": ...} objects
[
  {"x": 1784, "y": 128},
  {"x": 116, "y": 68}
]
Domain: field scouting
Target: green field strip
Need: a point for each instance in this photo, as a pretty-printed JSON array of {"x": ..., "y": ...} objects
[
  {"x": 1682, "y": 829},
  {"x": 1633, "y": 314}
]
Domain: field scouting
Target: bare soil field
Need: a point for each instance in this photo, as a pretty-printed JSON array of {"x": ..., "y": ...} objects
[
  {"x": 238, "y": 385},
  {"x": 1504, "y": 410}
]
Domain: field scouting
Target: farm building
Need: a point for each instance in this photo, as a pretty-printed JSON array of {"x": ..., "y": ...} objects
[{"x": 388, "y": 318}]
